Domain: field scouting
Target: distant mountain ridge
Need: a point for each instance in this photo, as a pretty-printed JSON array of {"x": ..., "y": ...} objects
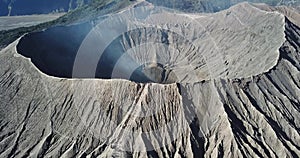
[{"x": 210, "y": 6}]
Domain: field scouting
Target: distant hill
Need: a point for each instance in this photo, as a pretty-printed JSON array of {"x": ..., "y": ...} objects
[{"x": 210, "y": 6}]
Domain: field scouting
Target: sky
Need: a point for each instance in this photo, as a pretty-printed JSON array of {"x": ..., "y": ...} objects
[{"x": 28, "y": 7}]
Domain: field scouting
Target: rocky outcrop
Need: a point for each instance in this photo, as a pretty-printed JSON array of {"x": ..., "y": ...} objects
[{"x": 247, "y": 104}]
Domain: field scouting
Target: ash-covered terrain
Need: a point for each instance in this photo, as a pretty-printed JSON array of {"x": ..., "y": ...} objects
[
  {"x": 148, "y": 81},
  {"x": 13, "y": 22}
]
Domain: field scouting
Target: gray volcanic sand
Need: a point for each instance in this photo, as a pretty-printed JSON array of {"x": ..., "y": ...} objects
[
  {"x": 12, "y": 22},
  {"x": 236, "y": 92}
]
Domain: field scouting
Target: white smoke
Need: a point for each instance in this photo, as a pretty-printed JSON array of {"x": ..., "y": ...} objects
[
  {"x": 9, "y": 7},
  {"x": 9, "y": 10},
  {"x": 70, "y": 5},
  {"x": 79, "y": 3}
]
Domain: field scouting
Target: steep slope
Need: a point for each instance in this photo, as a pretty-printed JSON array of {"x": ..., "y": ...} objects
[
  {"x": 250, "y": 111},
  {"x": 263, "y": 111}
]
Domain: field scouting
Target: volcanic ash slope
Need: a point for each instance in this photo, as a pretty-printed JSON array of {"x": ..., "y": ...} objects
[
  {"x": 244, "y": 102},
  {"x": 12, "y": 22}
]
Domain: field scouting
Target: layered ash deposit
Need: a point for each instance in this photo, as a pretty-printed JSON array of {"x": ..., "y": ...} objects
[{"x": 225, "y": 84}]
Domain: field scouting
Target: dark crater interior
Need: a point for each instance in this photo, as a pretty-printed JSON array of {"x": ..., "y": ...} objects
[{"x": 54, "y": 50}]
